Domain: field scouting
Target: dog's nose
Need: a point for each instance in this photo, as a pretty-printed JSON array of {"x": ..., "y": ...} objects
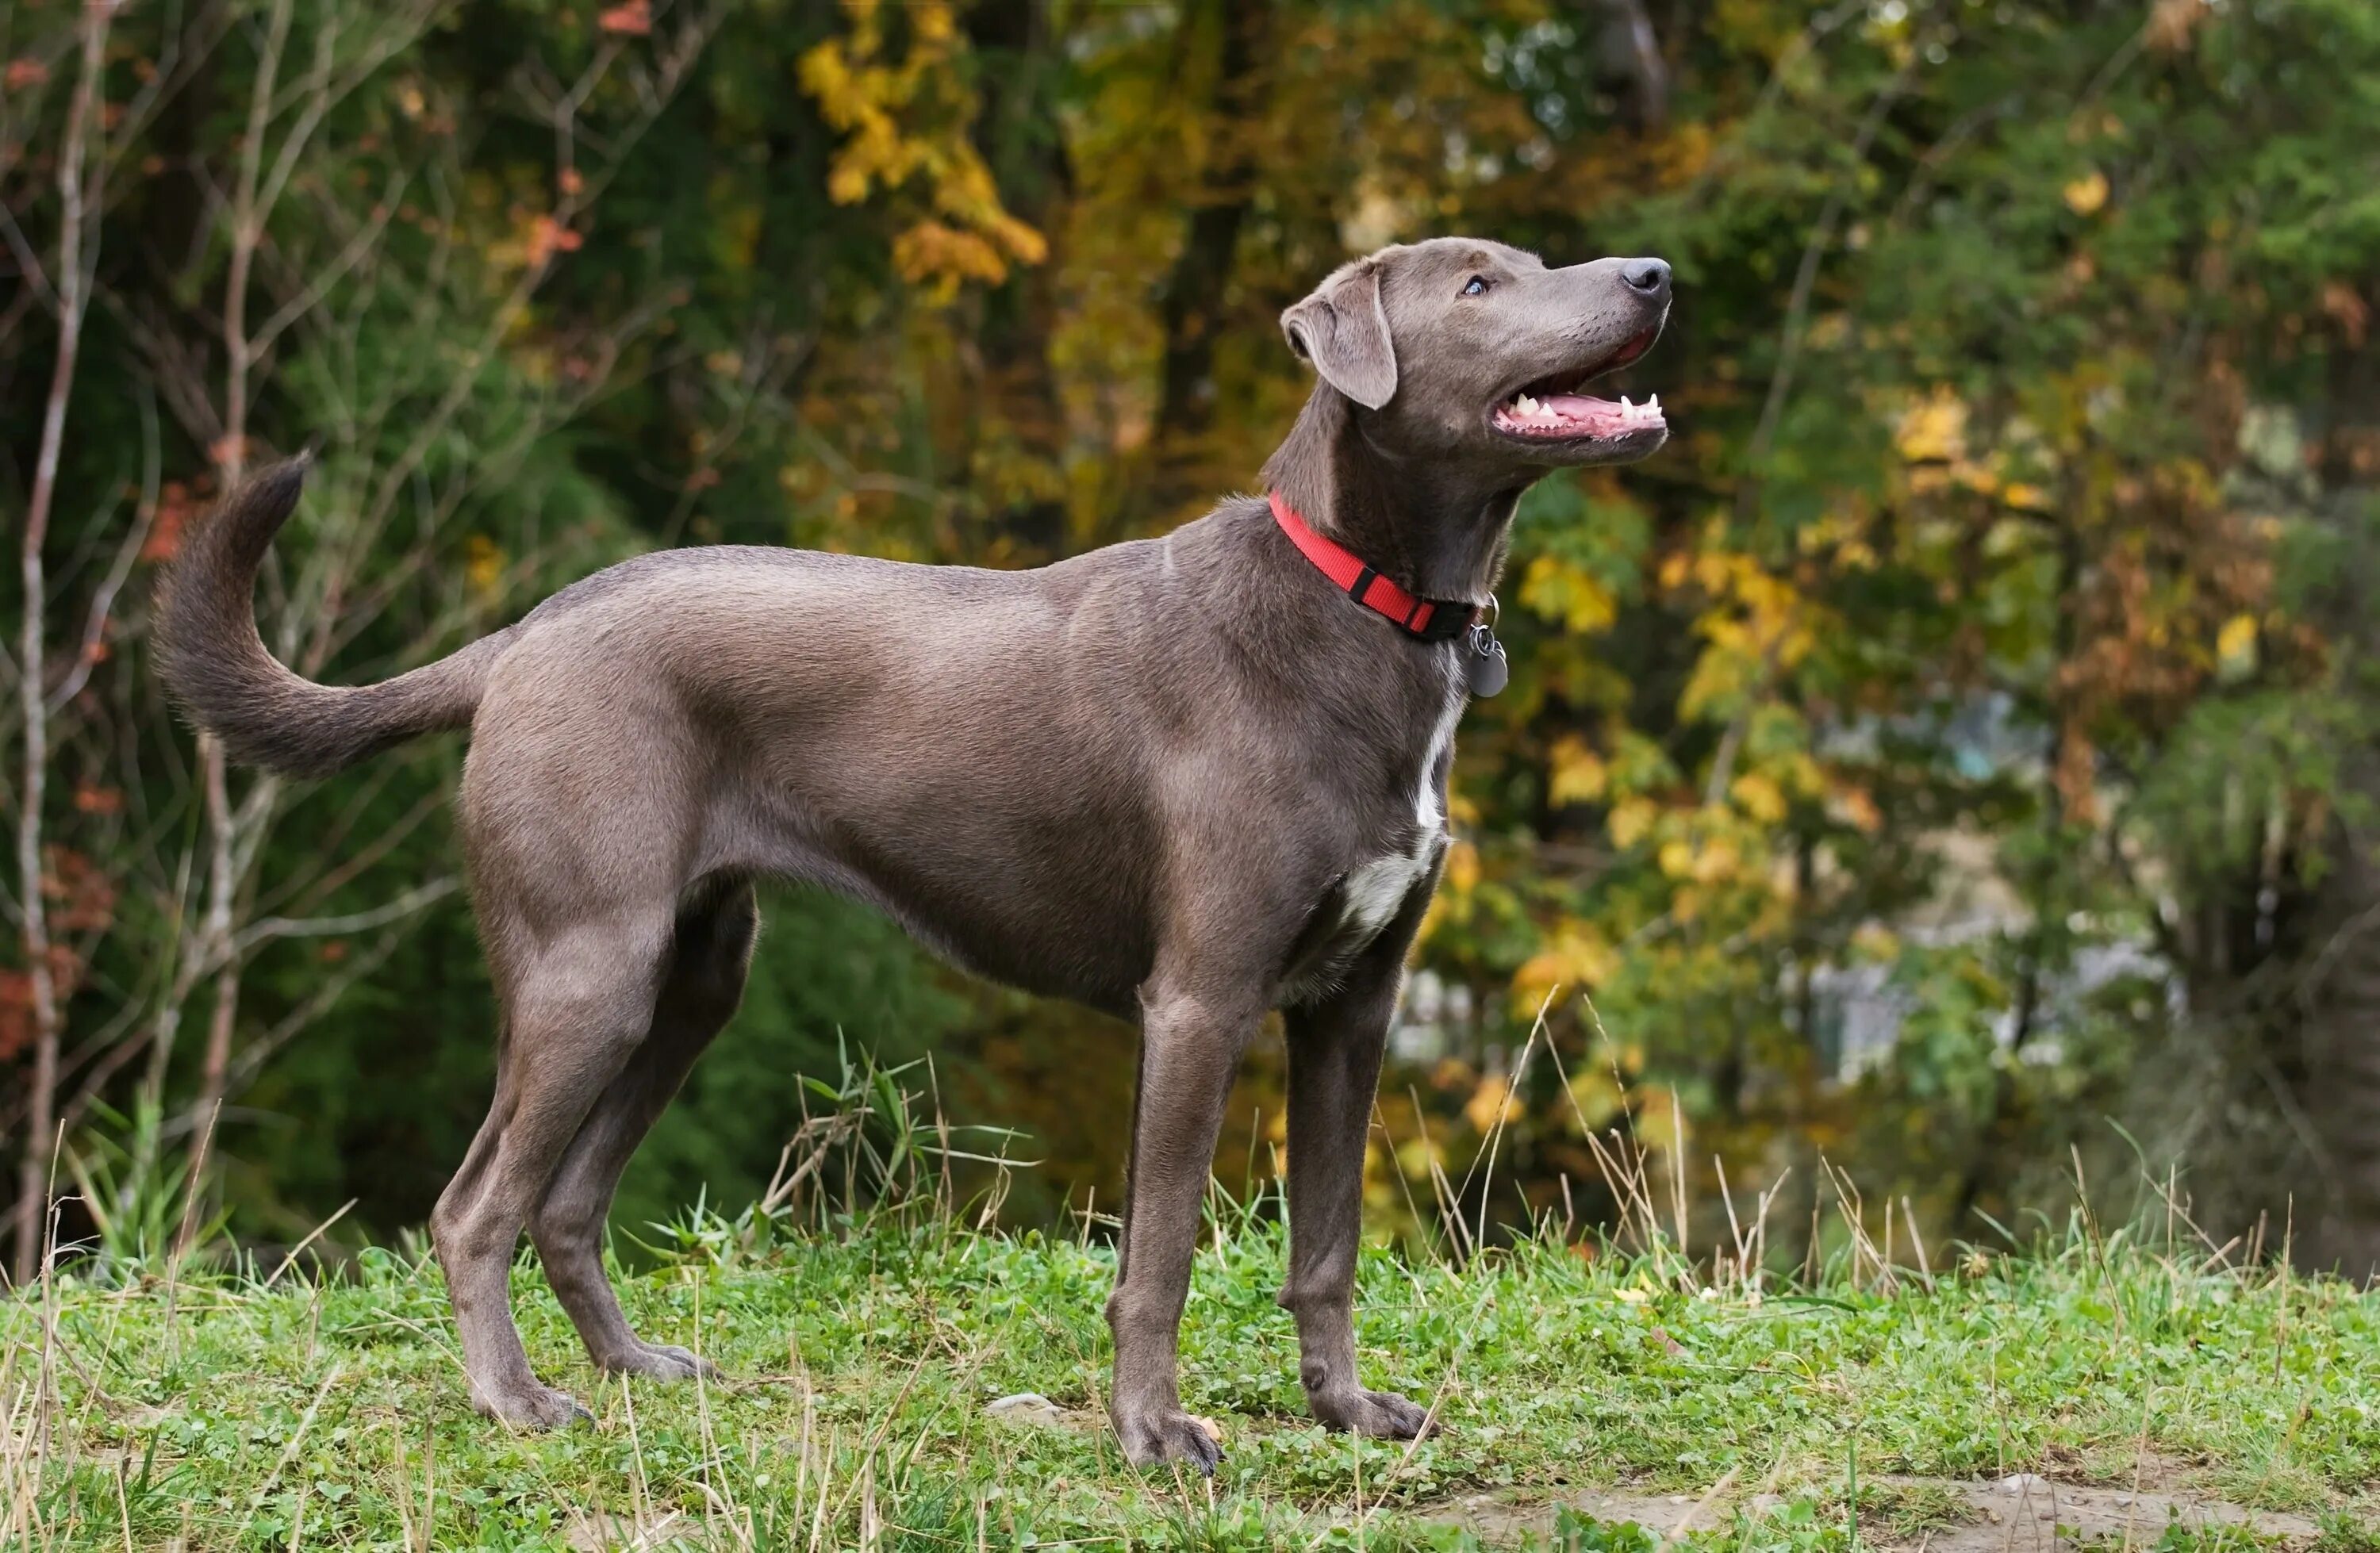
[{"x": 1646, "y": 277}]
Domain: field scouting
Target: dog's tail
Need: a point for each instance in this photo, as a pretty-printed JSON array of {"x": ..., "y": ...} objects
[{"x": 217, "y": 671}]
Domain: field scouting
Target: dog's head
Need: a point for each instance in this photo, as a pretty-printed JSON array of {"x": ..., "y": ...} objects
[{"x": 1470, "y": 349}]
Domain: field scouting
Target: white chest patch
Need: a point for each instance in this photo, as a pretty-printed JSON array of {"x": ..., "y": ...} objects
[
  {"x": 1371, "y": 893},
  {"x": 1376, "y": 889}
]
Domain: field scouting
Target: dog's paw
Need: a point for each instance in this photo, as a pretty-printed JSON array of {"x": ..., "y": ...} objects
[
  {"x": 1383, "y": 1414},
  {"x": 656, "y": 1361},
  {"x": 1161, "y": 1435},
  {"x": 528, "y": 1405}
]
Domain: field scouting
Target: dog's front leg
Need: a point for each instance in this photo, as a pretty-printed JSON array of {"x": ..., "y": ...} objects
[
  {"x": 1190, "y": 1047},
  {"x": 1334, "y": 1070}
]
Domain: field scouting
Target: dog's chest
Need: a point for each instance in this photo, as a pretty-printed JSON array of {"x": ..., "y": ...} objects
[
  {"x": 1367, "y": 897},
  {"x": 1374, "y": 892}
]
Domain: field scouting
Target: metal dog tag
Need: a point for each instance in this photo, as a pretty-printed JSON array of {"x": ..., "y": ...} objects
[{"x": 1484, "y": 662}]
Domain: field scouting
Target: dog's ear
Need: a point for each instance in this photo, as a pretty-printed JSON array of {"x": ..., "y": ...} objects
[{"x": 1343, "y": 330}]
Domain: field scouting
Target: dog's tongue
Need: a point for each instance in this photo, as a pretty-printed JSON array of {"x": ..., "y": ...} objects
[{"x": 1570, "y": 415}]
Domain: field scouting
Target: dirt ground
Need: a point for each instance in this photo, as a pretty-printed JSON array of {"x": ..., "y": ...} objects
[{"x": 2023, "y": 1513}]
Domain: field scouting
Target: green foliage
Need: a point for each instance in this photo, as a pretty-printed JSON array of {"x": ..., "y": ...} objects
[
  {"x": 138, "y": 1194},
  {"x": 869, "y": 1146}
]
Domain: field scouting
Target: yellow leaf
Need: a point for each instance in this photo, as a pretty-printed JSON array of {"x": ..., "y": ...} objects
[
  {"x": 1579, "y": 774},
  {"x": 1598, "y": 1096},
  {"x": 1976, "y": 477},
  {"x": 1722, "y": 671},
  {"x": 1415, "y": 1155},
  {"x": 1440, "y": 902},
  {"x": 932, "y": 251},
  {"x": 1576, "y": 956},
  {"x": 1874, "y": 940},
  {"x": 2235, "y": 645},
  {"x": 1855, "y": 806},
  {"x": 1491, "y": 1100},
  {"x": 904, "y": 119},
  {"x": 1758, "y": 796},
  {"x": 1631, "y": 820},
  {"x": 1935, "y": 429},
  {"x": 483, "y": 563},
  {"x": 2086, "y": 194},
  {"x": 1462, "y": 868},
  {"x": 1715, "y": 861},
  {"x": 1555, "y": 589}
]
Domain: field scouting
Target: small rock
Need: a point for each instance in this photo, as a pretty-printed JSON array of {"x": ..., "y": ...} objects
[
  {"x": 2023, "y": 1483},
  {"x": 1026, "y": 1407}
]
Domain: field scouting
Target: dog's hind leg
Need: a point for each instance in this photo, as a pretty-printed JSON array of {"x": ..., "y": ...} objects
[
  {"x": 578, "y": 1003},
  {"x": 710, "y": 952}
]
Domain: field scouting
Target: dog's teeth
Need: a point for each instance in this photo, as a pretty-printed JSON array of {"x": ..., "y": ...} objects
[
  {"x": 1526, "y": 406},
  {"x": 1624, "y": 404}
]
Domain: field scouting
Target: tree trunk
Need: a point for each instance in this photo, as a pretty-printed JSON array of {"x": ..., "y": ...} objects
[
  {"x": 2332, "y": 1058},
  {"x": 1628, "y": 41},
  {"x": 1202, "y": 273},
  {"x": 72, "y": 284},
  {"x": 1019, "y": 48}
]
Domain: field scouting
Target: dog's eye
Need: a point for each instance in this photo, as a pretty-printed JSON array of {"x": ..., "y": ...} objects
[{"x": 1475, "y": 286}]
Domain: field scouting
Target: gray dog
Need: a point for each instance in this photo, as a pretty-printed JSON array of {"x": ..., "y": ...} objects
[{"x": 1184, "y": 781}]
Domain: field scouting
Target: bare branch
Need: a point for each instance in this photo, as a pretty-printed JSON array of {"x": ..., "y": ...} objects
[
  {"x": 324, "y": 997},
  {"x": 80, "y": 186},
  {"x": 381, "y": 916},
  {"x": 365, "y": 240},
  {"x": 103, "y": 602}
]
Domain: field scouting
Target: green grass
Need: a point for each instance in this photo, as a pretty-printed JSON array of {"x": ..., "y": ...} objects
[{"x": 218, "y": 1411}]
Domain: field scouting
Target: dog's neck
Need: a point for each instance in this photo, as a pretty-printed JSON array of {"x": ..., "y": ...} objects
[{"x": 1438, "y": 530}]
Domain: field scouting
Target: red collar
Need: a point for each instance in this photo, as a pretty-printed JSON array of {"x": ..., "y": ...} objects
[{"x": 1429, "y": 619}]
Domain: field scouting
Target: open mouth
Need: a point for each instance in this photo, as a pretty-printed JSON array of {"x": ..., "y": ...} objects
[{"x": 1553, "y": 408}]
